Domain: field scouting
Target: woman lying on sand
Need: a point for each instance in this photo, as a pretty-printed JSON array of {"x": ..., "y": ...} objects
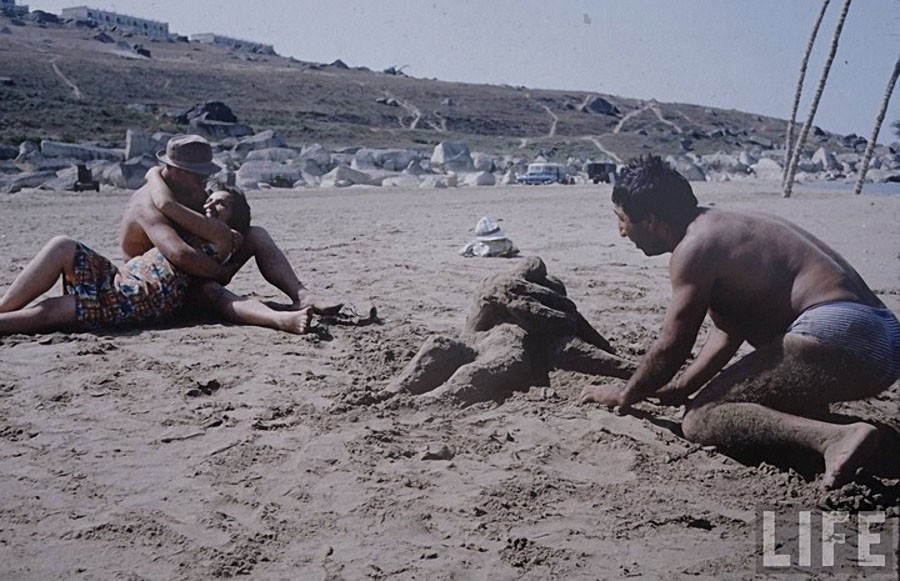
[{"x": 98, "y": 294}]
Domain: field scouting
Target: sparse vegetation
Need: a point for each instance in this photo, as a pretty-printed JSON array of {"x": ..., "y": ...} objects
[{"x": 308, "y": 102}]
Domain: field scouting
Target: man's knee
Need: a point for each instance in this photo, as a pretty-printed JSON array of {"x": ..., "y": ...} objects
[{"x": 257, "y": 237}]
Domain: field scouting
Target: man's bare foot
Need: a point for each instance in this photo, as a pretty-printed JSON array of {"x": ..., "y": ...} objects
[
  {"x": 308, "y": 300},
  {"x": 845, "y": 455},
  {"x": 296, "y": 322}
]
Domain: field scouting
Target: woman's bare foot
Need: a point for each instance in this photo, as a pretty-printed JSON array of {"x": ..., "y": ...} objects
[
  {"x": 296, "y": 322},
  {"x": 846, "y": 454}
]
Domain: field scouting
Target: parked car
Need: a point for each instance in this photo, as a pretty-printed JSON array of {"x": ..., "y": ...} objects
[
  {"x": 600, "y": 171},
  {"x": 544, "y": 173}
]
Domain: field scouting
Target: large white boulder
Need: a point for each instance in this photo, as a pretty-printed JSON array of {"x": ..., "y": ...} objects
[
  {"x": 479, "y": 178},
  {"x": 453, "y": 157},
  {"x": 262, "y": 140},
  {"x": 343, "y": 176},
  {"x": 767, "y": 169}
]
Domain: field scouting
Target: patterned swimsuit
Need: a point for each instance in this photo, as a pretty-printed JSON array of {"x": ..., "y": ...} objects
[{"x": 147, "y": 288}]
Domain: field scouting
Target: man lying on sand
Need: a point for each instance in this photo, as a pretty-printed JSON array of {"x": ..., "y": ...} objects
[
  {"x": 188, "y": 163},
  {"x": 819, "y": 332},
  {"x": 98, "y": 294}
]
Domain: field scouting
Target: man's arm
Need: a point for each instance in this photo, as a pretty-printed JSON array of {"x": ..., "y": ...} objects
[
  {"x": 213, "y": 230},
  {"x": 692, "y": 276},
  {"x": 180, "y": 253},
  {"x": 716, "y": 353}
]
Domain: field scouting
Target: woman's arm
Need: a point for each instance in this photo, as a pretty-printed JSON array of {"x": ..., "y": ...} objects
[{"x": 217, "y": 232}]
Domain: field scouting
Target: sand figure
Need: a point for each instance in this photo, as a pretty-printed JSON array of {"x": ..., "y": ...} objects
[{"x": 520, "y": 327}]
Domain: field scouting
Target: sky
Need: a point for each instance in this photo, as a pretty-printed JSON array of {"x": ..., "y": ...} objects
[{"x": 732, "y": 54}]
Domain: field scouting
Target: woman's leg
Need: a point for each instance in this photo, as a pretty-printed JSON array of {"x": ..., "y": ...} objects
[
  {"x": 56, "y": 258},
  {"x": 244, "y": 311},
  {"x": 51, "y": 314}
]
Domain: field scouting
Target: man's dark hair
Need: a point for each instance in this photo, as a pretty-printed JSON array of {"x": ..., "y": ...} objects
[
  {"x": 240, "y": 209},
  {"x": 648, "y": 185}
]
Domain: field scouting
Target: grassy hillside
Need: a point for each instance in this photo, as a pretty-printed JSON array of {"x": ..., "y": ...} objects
[{"x": 64, "y": 84}]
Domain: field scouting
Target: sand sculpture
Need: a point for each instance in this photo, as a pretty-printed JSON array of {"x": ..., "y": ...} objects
[{"x": 521, "y": 326}]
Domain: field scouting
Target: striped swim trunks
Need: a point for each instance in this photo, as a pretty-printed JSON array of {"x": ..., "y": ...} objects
[{"x": 871, "y": 334}]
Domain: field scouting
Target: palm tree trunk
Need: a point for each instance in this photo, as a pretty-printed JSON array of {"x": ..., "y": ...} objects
[
  {"x": 804, "y": 132},
  {"x": 789, "y": 139},
  {"x": 870, "y": 148}
]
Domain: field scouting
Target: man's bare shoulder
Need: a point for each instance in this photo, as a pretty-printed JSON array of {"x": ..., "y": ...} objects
[{"x": 139, "y": 217}]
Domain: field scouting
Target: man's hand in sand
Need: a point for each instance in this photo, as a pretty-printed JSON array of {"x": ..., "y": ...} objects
[
  {"x": 672, "y": 395},
  {"x": 609, "y": 395}
]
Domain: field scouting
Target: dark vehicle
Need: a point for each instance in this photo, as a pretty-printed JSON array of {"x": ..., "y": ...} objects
[{"x": 601, "y": 171}]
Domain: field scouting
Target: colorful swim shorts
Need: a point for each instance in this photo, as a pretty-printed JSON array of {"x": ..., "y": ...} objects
[{"x": 147, "y": 288}]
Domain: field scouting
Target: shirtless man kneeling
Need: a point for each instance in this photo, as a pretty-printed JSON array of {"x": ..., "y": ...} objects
[{"x": 820, "y": 334}]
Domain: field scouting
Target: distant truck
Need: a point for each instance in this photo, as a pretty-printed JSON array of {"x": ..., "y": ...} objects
[
  {"x": 600, "y": 171},
  {"x": 544, "y": 173}
]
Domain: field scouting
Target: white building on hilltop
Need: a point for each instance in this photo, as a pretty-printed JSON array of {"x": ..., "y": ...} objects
[
  {"x": 121, "y": 22},
  {"x": 9, "y": 8},
  {"x": 235, "y": 43}
]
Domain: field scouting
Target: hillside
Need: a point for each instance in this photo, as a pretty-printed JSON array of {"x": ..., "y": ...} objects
[{"x": 62, "y": 83}]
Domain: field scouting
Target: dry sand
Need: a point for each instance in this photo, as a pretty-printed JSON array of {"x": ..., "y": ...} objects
[{"x": 192, "y": 451}]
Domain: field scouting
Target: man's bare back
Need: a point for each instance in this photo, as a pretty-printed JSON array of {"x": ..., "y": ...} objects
[{"x": 767, "y": 272}]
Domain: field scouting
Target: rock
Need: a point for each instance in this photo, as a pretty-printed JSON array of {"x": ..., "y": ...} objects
[
  {"x": 437, "y": 451},
  {"x": 387, "y": 159},
  {"x": 483, "y": 162},
  {"x": 80, "y": 152},
  {"x": 723, "y": 162},
  {"x": 210, "y": 111},
  {"x": 403, "y": 180},
  {"x": 598, "y": 105},
  {"x": 481, "y": 178},
  {"x": 279, "y": 174},
  {"x": 318, "y": 154},
  {"x": 129, "y": 175},
  {"x": 686, "y": 167},
  {"x": 438, "y": 182},
  {"x": 343, "y": 176},
  {"x": 262, "y": 140},
  {"x": 767, "y": 169},
  {"x": 825, "y": 160},
  {"x": 219, "y": 129},
  {"x": 8, "y": 151},
  {"x": 27, "y": 180},
  {"x": 65, "y": 180},
  {"x": 453, "y": 157},
  {"x": 138, "y": 143},
  {"x": 415, "y": 168},
  {"x": 272, "y": 154}
]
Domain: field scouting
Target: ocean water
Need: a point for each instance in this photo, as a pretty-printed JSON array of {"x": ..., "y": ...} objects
[{"x": 881, "y": 189}]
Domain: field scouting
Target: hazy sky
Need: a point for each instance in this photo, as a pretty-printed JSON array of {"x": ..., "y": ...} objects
[{"x": 736, "y": 54}]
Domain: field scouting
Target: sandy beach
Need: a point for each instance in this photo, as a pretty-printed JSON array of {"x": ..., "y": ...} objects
[{"x": 194, "y": 450}]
